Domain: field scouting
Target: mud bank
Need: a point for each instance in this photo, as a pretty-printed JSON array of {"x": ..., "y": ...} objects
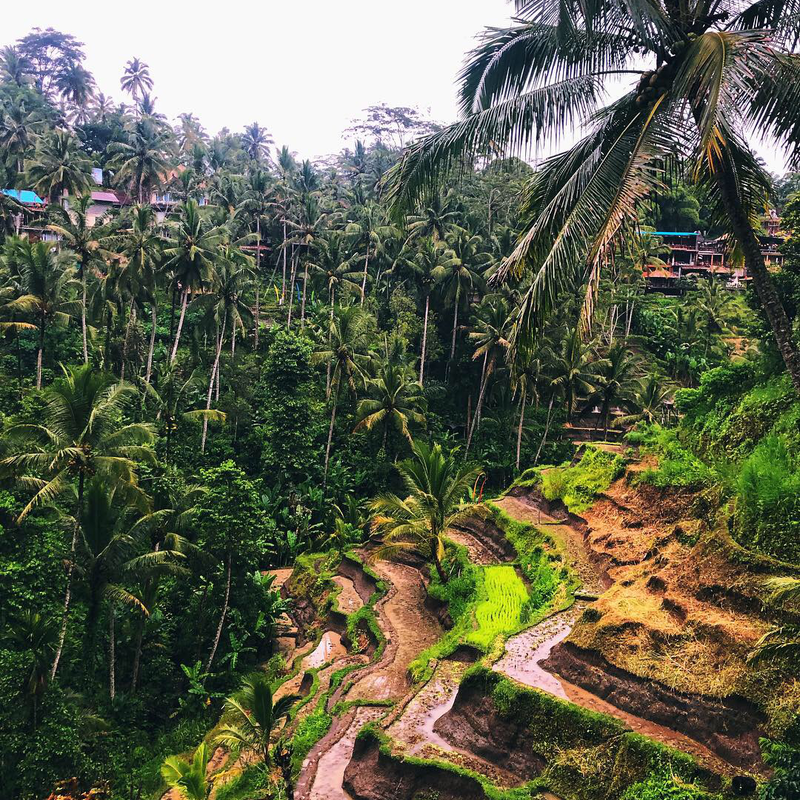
[
  {"x": 490, "y": 537},
  {"x": 376, "y": 775},
  {"x": 729, "y": 727},
  {"x": 473, "y": 724}
]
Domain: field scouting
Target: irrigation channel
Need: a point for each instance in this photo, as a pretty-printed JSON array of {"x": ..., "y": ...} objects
[{"x": 380, "y": 690}]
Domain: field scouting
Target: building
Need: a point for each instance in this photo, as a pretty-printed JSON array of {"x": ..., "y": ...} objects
[{"x": 693, "y": 256}]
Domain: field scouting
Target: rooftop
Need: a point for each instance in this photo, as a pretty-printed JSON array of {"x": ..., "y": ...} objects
[{"x": 24, "y": 196}]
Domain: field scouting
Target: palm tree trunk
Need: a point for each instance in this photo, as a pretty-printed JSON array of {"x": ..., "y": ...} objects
[
  {"x": 184, "y": 303},
  {"x": 305, "y": 286},
  {"x": 223, "y": 615},
  {"x": 755, "y": 266},
  {"x": 137, "y": 654},
  {"x": 283, "y": 278},
  {"x": 438, "y": 564},
  {"x": 83, "y": 316},
  {"x": 424, "y": 339},
  {"x": 19, "y": 364},
  {"x": 152, "y": 347},
  {"x": 39, "y": 355},
  {"x": 328, "y": 368},
  {"x": 291, "y": 290},
  {"x": 211, "y": 382},
  {"x": 125, "y": 343},
  {"x": 546, "y": 429},
  {"x": 112, "y": 654},
  {"x": 258, "y": 279},
  {"x": 476, "y": 419},
  {"x": 70, "y": 568},
  {"x": 328, "y": 445},
  {"x": 364, "y": 280},
  {"x": 521, "y": 421}
]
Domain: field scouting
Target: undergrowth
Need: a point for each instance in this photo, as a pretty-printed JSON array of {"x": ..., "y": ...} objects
[{"x": 578, "y": 486}]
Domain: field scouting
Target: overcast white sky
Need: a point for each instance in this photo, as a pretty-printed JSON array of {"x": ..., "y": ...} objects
[{"x": 302, "y": 68}]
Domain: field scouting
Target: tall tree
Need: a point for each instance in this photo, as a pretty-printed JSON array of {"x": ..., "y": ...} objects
[
  {"x": 136, "y": 80},
  {"x": 82, "y": 436},
  {"x": 705, "y": 80},
  {"x": 59, "y": 166}
]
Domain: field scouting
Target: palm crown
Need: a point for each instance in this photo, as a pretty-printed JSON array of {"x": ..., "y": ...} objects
[{"x": 718, "y": 70}]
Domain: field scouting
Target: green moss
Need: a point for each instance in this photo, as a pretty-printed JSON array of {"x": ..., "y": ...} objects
[{"x": 310, "y": 730}]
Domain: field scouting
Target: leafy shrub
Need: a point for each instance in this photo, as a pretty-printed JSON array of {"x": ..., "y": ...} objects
[
  {"x": 578, "y": 486},
  {"x": 769, "y": 501},
  {"x": 677, "y": 465},
  {"x": 658, "y": 787}
]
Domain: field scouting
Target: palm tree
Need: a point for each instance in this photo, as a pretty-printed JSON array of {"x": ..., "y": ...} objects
[
  {"x": 436, "y": 220},
  {"x": 394, "y": 402},
  {"x": 615, "y": 378},
  {"x": 36, "y": 635},
  {"x": 647, "y": 403},
  {"x": 722, "y": 74},
  {"x": 189, "y": 778},
  {"x": 76, "y": 85},
  {"x": 715, "y": 306},
  {"x": 142, "y": 246},
  {"x": 225, "y": 305},
  {"x": 82, "y": 435},
  {"x": 491, "y": 337},
  {"x": 253, "y": 716},
  {"x": 345, "y": 351},
  {"x": 17, "y": 129},
  {"x": 59, "y": 165},
  {"x": 431, "y": 258},
  {"x": 367, "y": 231},
  {"x": 44, "y": 282},
  {"x": 458, "y": 277},
  {"x": 189, "y": 255},
  {"x": 139, "y": 163},
  {"x": 436, "y": 485},
  {"x": 782, "y": 643},
  {"x": 574, "y": 370},
  {"x": 256, "y": 142},
  {"x": 86, "y": 241},
  {"x": 136, "y": 79}
]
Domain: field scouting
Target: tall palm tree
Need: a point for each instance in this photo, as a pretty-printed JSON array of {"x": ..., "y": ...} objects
[
  {"x": 395, "y": 402},
  {"x": 18, "y": 127},
  {"x": 574, "y": 370},
  {"x": 35, "y": 634},
  {"x": 436, "y": 486},
  {"x": 85, "y": 240},
  {"x": 59, "y": 165},
  {"x": 368, "y": 230},
  {"x": 189, "y": 778},
  {"x": 437, "y": 220},
  {"x": 430, "y": 259},
  {"x": 706, "y": 77},
  {"x": 44, "y": 283},
  {"x": 143, "y": 246},
  {"x": 491, "y": 337},
  {"x": 459, "y": 277},
  {"x": 136, "y": 80},
  {"x": 226, "y": 309},
  {"x": 82, "y": 435},
  {"x": 346, "y": 352},
  {"x": 714, "y": 304},
  {"x": 616, "y": 377},
  {"x": 140, "y": 163},
  {"x": 257, "y": 142},
  {"x": 76, "y": 85},
  {"x": 189, "y": 256},
  {"x": 253, "y": 716}
]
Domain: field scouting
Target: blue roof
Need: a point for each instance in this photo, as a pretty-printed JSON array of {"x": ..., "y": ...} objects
[
  {"x": 669, "y": 233},
  {"x": 24, "y": 196}
]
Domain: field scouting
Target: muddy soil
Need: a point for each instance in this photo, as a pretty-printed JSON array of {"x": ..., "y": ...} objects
[
  {"x": 349, "y": 599},
  {"x": 332, "y": 765},
  {"x": 372, "y": 776},
  {"x": 409, "y": 628},
  {"x": 728, "y": 728}
]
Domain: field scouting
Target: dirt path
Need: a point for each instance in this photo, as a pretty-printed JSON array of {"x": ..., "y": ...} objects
[
  {"x": 593, "y": 576},
  {"x": 349, "y": 599},
  {"x": 331, "y": 766},
  {"x": 479, "y": 553},
  {"x": 409, "y": 628}
]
